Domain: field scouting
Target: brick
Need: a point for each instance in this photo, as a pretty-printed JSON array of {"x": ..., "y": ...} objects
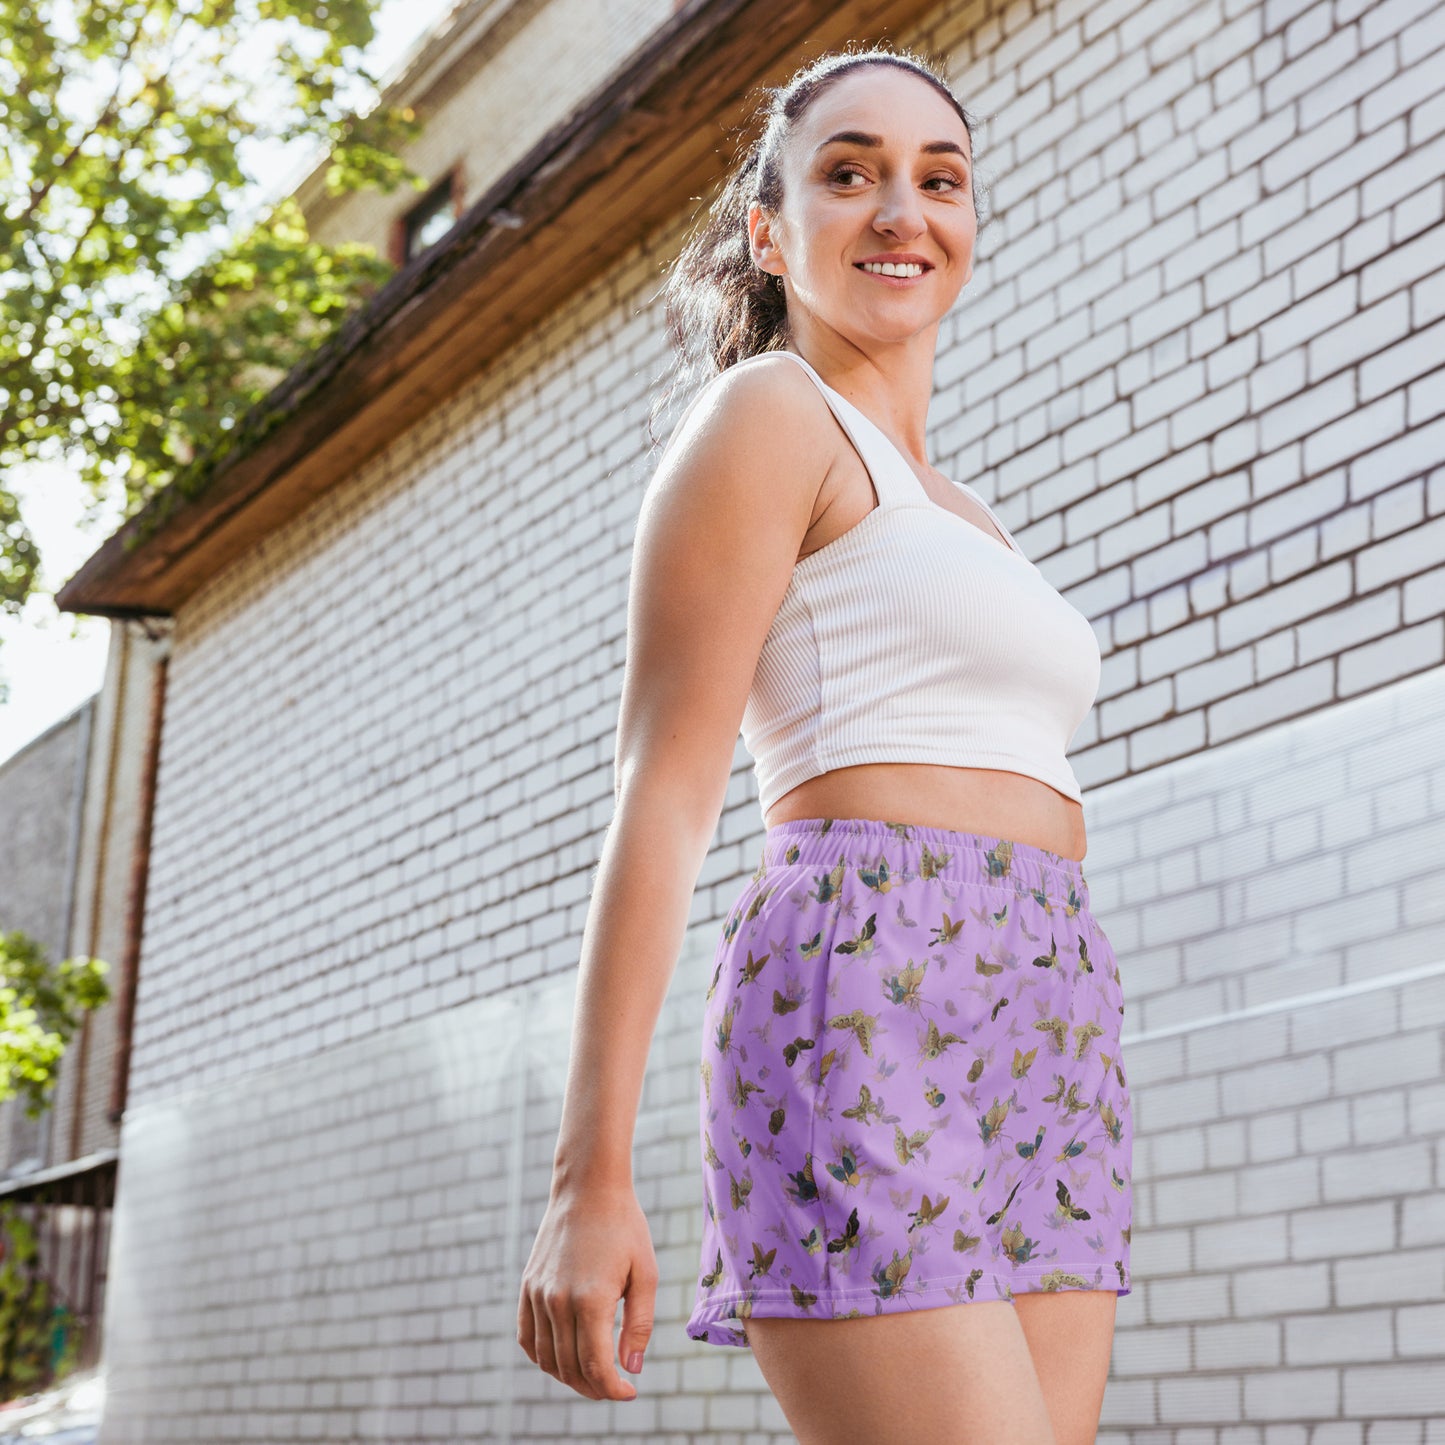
[
  {"x": 1371, "y": 1173},
  {"x": 1236, "y": 1243},
  {"x": 1343, "y": 1337},
  {"x": 1377, "y": 1118},
  {"x": 1200, "y": 1397},
  {"x": 1159, "y": 1252},
  {"x": 1387, "y": 466},
  {"x": 1394, "y": 367},
  {"x": 1268, "y": 1086},
  {"x": 1422, "y": 1220},
  {"x": 1344, "y": 1021},
  {"x": 1153, "y": 1351},
  {"x": 1395, "y": 1432},
  {"x": 1342, "y": 1229},
  {"x": 1416, "y": 260},
  {"x": 1128, "y": 1402},
  {"x": 1410, "y": 1058},
  {"x": 1226, "y": 1144},
  {"x": 1178, "y": 1151},
  {"x": 1274, "y": 1135},
  {"x": 1196, "y": 1197},
  {"x": 1425, "y": 1104},
  {"x": 1420, "y": 1330},
  {"x": 1251, "y": 1041},
  {"x": 1189, "y": 1102},
  {"x": 1412, "y": 649},
  {"x": 1197, "y": 1297},
  {"x": 1280, "y": 1289},
  {"x": 1289, "y": 1184},
  {"x": 1237, "y": 1345},
  {"x": 1325, "y": 1126},
  {"x": 1338, "y": 1432},
  {"x": 1395, "y": 1389},
  {"x": 1295, "y": 1394}
]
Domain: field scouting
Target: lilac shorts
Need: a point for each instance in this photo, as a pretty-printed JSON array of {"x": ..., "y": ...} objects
[{"x": 912, "y": 1090}]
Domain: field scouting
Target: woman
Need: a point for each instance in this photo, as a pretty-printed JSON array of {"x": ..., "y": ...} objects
[{"x": 914, "y": 1126}]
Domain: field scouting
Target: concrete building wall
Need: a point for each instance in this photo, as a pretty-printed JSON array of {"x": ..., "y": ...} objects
[
  {"x": 38, "y": 791},
  {"x": 1198, "y": 372}
]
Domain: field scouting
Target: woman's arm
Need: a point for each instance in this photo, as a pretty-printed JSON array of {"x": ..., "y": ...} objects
[{"x": 718, "y": 534}]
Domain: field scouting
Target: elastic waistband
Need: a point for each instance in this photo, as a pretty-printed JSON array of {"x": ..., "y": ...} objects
[{"x": 957, "y": 856}]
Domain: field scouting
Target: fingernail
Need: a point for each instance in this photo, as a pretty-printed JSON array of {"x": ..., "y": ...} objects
[{"x": 634, "y": 1362}]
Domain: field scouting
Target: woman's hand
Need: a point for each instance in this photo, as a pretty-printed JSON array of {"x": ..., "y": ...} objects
[{"x": 593, "y": 1248}]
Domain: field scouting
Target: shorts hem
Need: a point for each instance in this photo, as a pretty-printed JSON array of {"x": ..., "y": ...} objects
[{"x": 846, "y": 1304}]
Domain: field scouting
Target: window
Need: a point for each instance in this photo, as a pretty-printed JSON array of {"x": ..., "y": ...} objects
[{"x": 429, "y": 220}]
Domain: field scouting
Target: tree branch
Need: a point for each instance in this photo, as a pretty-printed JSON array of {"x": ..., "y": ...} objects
[{"x": 39, "y": 193}]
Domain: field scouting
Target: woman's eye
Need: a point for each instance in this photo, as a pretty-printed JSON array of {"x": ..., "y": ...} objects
[{"x": 839, "y": 172}]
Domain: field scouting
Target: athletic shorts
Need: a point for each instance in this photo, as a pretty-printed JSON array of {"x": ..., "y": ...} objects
[{"x": 912, "y": 1092}]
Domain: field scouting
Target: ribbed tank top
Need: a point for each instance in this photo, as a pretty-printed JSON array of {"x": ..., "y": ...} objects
[{"x": 915, "y": 637}]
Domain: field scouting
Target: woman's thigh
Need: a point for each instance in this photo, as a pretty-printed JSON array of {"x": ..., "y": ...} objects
[
  {"x": 951, "y": 1375},
  {"x": 1071, "y": 1336}
]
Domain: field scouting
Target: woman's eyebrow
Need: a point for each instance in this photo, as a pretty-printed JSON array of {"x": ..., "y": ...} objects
[{"x": 863, "y": 138}]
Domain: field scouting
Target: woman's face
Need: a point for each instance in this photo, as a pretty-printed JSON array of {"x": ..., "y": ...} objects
[{"x": 898, "y": 183}]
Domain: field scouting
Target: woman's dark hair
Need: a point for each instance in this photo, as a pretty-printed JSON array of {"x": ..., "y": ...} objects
[{"x": 719, "y": 306}]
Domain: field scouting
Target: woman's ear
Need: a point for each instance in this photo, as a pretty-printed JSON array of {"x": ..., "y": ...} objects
[{"x": 766, "y": 255}]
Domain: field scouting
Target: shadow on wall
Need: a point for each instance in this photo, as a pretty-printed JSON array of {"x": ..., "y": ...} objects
[{"x": 338, "y": 1243}]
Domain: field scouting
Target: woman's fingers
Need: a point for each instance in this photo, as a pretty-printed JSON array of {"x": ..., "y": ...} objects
[
  {"x": 593, "y": 1338},
  {"x": 527, "y": 1324},
  {"x": 573, "y": 1344},
  {"x": 564, "y": 1335},
  {"x": 546, "y": 1339}
]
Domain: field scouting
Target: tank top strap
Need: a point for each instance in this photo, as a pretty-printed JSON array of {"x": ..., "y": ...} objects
[{"x": 894, "y": 480}]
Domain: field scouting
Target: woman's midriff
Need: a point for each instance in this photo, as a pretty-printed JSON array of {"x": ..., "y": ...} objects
[{"x": 967, "y": 800}]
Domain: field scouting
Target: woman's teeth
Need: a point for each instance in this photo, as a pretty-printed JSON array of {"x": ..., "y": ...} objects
[{"x": 891, "y": 268}]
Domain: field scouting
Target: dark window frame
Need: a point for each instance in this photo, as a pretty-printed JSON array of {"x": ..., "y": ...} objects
[{"x": 446, "y": 194}]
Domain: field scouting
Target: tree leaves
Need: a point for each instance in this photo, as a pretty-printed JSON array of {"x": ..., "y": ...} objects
[
  {"x": 41, "y": 1005},
  {"x": 143, "y": 313}
]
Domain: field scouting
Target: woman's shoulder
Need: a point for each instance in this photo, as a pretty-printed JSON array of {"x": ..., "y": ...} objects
[{"x": 769, "y": 390}]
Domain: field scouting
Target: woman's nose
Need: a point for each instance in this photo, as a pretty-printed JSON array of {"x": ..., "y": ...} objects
[{"x": 899, "y": 211}]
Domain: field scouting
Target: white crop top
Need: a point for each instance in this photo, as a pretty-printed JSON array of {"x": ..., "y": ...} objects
[{"x": 915, "y": 637}]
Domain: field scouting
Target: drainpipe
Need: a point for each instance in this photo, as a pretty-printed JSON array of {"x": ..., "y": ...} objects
[{"x": 139, "y": 876}]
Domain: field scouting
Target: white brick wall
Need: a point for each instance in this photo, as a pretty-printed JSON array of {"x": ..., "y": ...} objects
[
  {"x": 331, "y": 1248},
  {"x": 1287, "y": 1055},
  {"x": 1194, "y": 370}
]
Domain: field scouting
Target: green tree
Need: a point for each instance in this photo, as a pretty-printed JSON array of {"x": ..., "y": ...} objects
[
  {"x": 41, "y": 1005},
  {"x": 144, "y": 310}
]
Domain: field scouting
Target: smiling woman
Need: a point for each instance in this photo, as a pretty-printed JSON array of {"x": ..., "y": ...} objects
[{"x": 914, "y": 1124}]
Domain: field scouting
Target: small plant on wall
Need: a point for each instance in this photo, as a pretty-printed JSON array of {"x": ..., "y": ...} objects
[
  {"x": 38, "y": 1343},
  {"x": 41, "y": 1006}
]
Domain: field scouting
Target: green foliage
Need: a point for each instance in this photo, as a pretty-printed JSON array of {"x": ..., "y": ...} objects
[
  {"x": 31, "y": 1317},
  {"x": 142, "y": 316},
  {"x": 40, "y": 1008},
  {"x": 19, "y": 558}
]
